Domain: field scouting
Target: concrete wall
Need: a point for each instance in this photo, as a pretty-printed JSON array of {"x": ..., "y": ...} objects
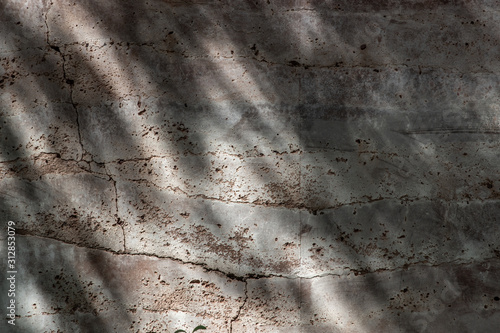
[{"x": 251, "y": 166}]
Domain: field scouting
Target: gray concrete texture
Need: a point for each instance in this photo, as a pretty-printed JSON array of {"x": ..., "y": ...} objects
[{"x": 251, "y": 166}]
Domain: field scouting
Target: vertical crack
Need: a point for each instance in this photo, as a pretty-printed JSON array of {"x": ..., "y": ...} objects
[
  {"x": 235, "y": 318},
  {"x": 301, "y": 191},
  {"x": 71, "y": 84},
  {"x": 67, "y": 80},
  {"x": 117, "y": 215},
  {"x": 46, "y": 24}
]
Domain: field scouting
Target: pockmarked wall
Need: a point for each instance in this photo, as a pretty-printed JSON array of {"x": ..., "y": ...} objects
[{"x": 250, "y": 166}]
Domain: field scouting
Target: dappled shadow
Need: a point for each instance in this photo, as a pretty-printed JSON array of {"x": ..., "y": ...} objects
[{"x": 276, "y": 143}]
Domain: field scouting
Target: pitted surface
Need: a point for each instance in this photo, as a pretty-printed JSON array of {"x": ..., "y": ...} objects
[{"x": 252, "y": 166}]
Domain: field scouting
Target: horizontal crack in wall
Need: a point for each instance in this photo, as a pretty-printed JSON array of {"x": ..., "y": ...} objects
[{"x": 244, "y": 278}]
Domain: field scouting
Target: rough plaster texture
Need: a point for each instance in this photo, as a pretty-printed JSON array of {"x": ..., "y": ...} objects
[{"x": 252, "y": 166}]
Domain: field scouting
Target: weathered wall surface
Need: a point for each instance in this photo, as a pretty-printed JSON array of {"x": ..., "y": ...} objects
[{"x": 252, "y": 166}]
